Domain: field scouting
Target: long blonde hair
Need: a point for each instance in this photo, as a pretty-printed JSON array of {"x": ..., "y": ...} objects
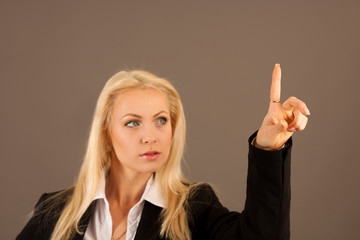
[{"x": 174, "y": 186}]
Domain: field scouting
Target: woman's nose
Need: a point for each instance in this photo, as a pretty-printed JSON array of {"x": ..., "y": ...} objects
[
  {"x": 148, "y": 140},
  {"x": 149, "y": 137}
]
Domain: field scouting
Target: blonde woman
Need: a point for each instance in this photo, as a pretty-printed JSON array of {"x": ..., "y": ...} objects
[{"x": 131, "y": 186}]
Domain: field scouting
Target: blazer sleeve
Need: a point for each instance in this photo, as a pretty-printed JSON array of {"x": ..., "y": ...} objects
[{"x": 266, "y": 215}]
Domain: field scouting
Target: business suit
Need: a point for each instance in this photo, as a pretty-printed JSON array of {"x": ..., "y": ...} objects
[{"x": 265, "y": 216}]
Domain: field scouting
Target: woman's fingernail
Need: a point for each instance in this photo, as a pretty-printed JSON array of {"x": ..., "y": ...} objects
[
  {"x": 307, "y": 111},
  {"x": 292, "y": 129}
]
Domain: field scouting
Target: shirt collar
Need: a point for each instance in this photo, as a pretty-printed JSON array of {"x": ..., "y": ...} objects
[{"x": 152, "y": 193}]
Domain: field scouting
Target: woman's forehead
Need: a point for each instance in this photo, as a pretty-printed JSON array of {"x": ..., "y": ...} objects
[{"x": 141, "y": 102}]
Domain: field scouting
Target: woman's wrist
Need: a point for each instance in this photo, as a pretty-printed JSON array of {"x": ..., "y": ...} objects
[{"x": 254, "y": 143}]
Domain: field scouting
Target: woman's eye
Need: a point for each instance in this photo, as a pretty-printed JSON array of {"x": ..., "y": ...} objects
[
  {"x": 161, "y": 121},
  {"x": 132, "y": 123}
]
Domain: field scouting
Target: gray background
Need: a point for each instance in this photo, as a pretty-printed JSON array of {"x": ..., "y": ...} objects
[{"x": 57, "y": 55}]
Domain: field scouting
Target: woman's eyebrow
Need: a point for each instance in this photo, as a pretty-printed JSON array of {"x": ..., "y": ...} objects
[
  {"x": 138, "y": 116},
  {"x": 131, "y": 115},
  {"x": 161, "y": 113}
]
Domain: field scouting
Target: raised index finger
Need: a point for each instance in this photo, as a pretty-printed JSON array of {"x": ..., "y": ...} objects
[{"x": 276, "y": 84}]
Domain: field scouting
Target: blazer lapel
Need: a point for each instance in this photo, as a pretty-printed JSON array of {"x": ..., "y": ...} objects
[{"x": 149, "y": 225}]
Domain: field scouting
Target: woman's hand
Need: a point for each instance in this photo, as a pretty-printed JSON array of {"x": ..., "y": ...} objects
[{"x": 282, "y": 120}]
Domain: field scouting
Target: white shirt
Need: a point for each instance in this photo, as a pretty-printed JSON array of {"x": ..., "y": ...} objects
[{"x": 100, "y": 224}]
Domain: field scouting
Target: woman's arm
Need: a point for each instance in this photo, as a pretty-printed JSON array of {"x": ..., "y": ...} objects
[{"x": 267, "y": 207}]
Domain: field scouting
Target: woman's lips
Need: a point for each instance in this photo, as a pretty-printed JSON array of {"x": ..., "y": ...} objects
[{"x": 150, "y": 155}]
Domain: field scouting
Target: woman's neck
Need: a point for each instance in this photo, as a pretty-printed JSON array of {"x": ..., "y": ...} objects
[{"x": 125, "y": 188}]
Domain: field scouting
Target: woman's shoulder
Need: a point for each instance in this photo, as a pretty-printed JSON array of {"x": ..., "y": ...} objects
[
  {"x": 53, "y": 200},
  {"x": 203, "y": 206},
  {"x": 50, "y": 205},
  {"x": 45, "y": 215},
  {"x": 203, "y": 192}
]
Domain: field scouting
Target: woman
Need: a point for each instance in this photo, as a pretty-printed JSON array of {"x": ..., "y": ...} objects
[{"x": 131, "y": 186}]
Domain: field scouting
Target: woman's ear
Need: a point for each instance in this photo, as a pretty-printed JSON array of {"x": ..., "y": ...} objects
[{"x": 108, "y": 148}]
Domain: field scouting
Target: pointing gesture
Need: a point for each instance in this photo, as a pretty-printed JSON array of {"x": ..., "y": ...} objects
[{"x": 281, "y": 120}]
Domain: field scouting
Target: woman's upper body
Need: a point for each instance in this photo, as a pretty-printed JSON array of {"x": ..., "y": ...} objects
[
  {"x": 265, "y": 216},
  {"x": 138, "y": 131}
]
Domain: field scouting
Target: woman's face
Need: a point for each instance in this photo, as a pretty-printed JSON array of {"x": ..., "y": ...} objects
[{"x": 141, "y": 130}]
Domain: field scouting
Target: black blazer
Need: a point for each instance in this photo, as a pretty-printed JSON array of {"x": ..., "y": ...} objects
[{"x": 266, "y": 215}]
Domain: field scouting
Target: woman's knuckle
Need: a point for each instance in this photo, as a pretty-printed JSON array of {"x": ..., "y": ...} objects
[{"x": 293, "y": 98}]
